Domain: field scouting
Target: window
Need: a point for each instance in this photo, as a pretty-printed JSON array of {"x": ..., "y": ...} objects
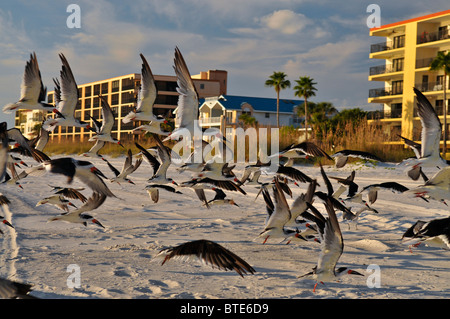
[
  {"x": 114, "y": 99},
  {"x": 87, "y": 103},
  {"x": 50, "y": 98},
  {"x": 97, "y": 89},
  {"x": 397, "y": 64},
  {"x": 202, "y": 86},
  {"x": 128, "y": 97},
  {"x": 397, "y": 87},
  {"x": 105, "y": 88},
  {"x": 267, "y": 115},
  {"x": 115, "y": 86},
  {"x": 399, "y": 42},
  {"x": 396, "y": 110},
  {"x": 87, "y": 91},
  {"x": 96, "y": 102},
  {"x": 127, "y": 84}
]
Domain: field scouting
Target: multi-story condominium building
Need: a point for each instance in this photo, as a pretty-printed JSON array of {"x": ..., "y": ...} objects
[
  {"x": 121, "y": 93},
  {"x": 406, "y": 53}
]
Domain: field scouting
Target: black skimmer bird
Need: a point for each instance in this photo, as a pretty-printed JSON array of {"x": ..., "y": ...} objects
[
  {"x": 4, "y": 202},
  {"x": 5, "y": 222},
  {"x": 415, "y": 147},
  {"x": 15, "y": 290},
  {"x": 32, "y": 90},
  {"x": 146, "y": 98},
  {"x": 433, "y": 233},
  {"x": 58, "y": 201},
  {"x": 153, "y": 190},
  {"x": 159, "y": 166},
  {"x": 373, "y": 189},
  {"x": 300, "y": 204},
  {"x": 332, "y": 247},
  {"x": 22, "y": 144},
  {"x": 41, "y": 140},
  {"x": 301, "y": 150},
  {"x": 94, "y": 150},
  {"x": 15, "y": 178},
  {"x": 220, "y": 198},
  {"x": 103, "y": 131},
  {"x": 79, "y": 215},
  {"x": 220, "y": 175},
  {"x": 67, "y": 95},
  {"x": 437, "y": 187},
  {"x": 430, "y": 139},
  {"x": 210, "y": 253},
  {"x": 253, "y": 170},
  {"x": 341, "y": 157},
  {"x": 85, "y": 171},
  {"x": 127, "y": 169},
  {"x": 69, "y": 192},
  {"x": 279, "y": 216},
  {"x": 356, "y": 204},
  {"x": 330, "y": 195},
  {"x": 187, "y": 107}
]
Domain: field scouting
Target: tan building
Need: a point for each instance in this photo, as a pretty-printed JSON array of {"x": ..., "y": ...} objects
[
  {"x": 121, "y": 93},
  {"x": 405, "y": 56}
]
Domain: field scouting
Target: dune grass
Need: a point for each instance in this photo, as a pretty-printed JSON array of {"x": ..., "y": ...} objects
[{"x": 354, "y": 136}]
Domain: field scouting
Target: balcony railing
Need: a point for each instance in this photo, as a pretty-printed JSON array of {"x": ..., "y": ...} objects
[
  {"x": 384, "y": 46},
  {"x": 423, "y": 63},
  {"x": 379, "y": 115},
  {"x": 205, "y": 121},
  {"x": 425, "y": 36},
  {"x": 384, "y": 92},
  {"x": 383, "y": 69},
  {"x": 430, "y": 86}
]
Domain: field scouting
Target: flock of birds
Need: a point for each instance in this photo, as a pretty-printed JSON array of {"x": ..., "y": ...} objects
[{"x": 212, "y": 173}]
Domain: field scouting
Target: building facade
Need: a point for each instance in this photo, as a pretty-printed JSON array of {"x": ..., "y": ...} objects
[
  {"x": 121, "y": 93},
  {"x": 405, "y": 55},
  {"x": 224, "y": 111}
]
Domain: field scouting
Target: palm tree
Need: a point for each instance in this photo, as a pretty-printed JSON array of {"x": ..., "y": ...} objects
[
  {"x": 305, "y": 88},
  {"x": 279, "y": 82},
  {"x": 442, "y": 62}
]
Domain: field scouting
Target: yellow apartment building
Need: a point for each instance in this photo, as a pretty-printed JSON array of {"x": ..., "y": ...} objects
[
  {"x": 121, "y": 92},
  {"x": 405, "y": 55}
]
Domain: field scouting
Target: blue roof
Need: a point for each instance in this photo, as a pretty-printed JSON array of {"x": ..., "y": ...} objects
[{"x": 261, "y": 104}]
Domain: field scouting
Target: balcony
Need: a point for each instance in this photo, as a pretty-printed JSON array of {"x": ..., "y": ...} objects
[
  {"x": 383, "y": 69},
  {"x": 423, "y": 63},
  {"x": 384, "y": 92},
  {"x": 426, "y": 37},
  {"x": 385, "y": 46},
  {"x": 209, "y": 121},
  {"x": 430, "y": 86}
]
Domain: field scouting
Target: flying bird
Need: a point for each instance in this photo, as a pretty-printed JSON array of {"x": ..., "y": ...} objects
[
  {"x": 210, "y": 253},
  {"x": 127, "y": 169},
  {"x": 85, "y": 171},
  {"x": 341, "y": 157},
  {"x": 146, "y": 99},
  {"x": 332, "y": 247},
  {"x": 32, "y": 90},
  {"x": 79, "y": 215},
  {"x": 103, "y": 131},
  {"x": 430, "y": 139},
  {"x": 67, "y": 95}
]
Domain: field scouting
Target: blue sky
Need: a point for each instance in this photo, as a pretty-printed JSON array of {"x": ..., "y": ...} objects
[{"x": 327, "y": 40}]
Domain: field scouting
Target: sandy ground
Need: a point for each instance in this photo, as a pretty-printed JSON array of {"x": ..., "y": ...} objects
[{"x": 118, "y": 262}]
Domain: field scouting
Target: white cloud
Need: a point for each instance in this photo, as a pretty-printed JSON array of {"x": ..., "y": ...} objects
[{"x": 285, "y": 21}]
